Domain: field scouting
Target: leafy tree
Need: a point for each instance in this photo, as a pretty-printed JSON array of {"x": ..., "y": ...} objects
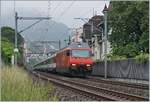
[
  {"x": 129, "y": 23},
  {"x": 8, "y": 41},
  {"x": 6, "y": 50},
  {"x": 9, "y": 33}
]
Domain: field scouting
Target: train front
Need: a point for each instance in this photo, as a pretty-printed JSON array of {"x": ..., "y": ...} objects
[{"x": 81, "y": 60}]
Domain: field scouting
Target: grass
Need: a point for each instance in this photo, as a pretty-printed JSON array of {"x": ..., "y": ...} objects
[{"x": 18, "y": 86}]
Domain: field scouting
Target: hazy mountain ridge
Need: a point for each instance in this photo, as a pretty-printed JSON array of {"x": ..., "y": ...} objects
[{"x": 44, "y": 30}]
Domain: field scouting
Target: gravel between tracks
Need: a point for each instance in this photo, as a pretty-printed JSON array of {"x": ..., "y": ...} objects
[
  {"x": 130, "y": 90},
  {"x": 63, "y": 94}
]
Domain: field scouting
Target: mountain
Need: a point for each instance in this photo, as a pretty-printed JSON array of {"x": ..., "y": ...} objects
[
  {"x": 44, "y": 30},
  {"x": 47, "y": 31}
]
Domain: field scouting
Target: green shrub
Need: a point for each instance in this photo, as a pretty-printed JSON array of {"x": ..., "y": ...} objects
[
  {"x": 18, "y": 86},
  {"x": 6, "y": 50},
  {"x": 111, "y": 57},
  {"x": 98, "y": 60},
  {"x": 143, "y": 57}
]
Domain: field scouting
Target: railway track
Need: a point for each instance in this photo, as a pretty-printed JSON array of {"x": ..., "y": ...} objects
[
  {"x": 138, "y": 86},
  {"x": 73, "y": 87},
  {"x": 116, "y": 87},
  {"x": 96, "y": 93}
]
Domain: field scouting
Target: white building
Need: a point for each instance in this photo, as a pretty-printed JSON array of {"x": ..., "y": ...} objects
[
  {"x": 77, "y": 35},
  {"x": 98, "y": 47}
]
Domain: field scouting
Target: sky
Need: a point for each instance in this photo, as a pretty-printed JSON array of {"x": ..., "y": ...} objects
[{"x": 60, "y": 11}]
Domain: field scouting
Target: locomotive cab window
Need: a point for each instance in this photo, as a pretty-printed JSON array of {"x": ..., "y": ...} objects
[{"x": 80, "y": 53}]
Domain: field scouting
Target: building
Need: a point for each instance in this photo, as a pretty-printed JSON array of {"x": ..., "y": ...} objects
[
  {"x": 95, "y": 21},
  {"x": 93, "y": 34},
  {"x": 91, "y": 29},
  {"x": 78, "y": 35},
  {"x": 87, "y": 31}
]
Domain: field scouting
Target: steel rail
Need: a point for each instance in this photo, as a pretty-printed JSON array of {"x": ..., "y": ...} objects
[
  {"x": 132, "y": 85},
  {"x": 101, "y": 92},
  {"x": 81, "y": 90}
]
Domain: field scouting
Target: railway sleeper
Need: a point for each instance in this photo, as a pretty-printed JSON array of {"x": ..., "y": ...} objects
[{"x": 102, "y": 90}]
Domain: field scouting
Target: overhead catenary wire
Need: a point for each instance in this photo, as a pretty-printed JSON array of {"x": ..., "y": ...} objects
[
  {"x": 30, "y": 26},
  {"x": 53, "y": 23},
  {"x": 58, "y": 5},
  {"x": 86, "y": 13},
  {"x": 41, "y": 29},
  {"x": 64, "y": 11},
  {"x": 67, "y": 9},
  {"x": 49, "y": 8}
]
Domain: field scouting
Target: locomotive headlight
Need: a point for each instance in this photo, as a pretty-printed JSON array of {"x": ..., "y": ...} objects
[
  {"x": 73, "y": 64},
  {"x": 88, "y": 65}
]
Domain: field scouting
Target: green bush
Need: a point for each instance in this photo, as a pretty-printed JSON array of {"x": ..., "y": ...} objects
[
  {"x": 98, "y": 60},
  {"x": 111, "y": 57},
  {"x": 143, "y": 57},
  {"x": 6, "y": 50},
  {"x": 7, "y": 45},
  {"x": 130, "y": 50}
]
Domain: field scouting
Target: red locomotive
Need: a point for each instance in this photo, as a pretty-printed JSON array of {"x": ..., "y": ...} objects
[{"x": 75, "y": 59}]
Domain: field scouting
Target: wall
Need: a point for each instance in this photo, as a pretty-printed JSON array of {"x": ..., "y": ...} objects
[{"x": 123, "y": 69}]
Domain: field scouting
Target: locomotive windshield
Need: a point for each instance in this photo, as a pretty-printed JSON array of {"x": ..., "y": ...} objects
[{"x": 80, "y": 53}]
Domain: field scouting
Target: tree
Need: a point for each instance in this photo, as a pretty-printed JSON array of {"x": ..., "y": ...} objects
[
  {"x": 129, "y": 23},
  {"x": 9, "y": 33},
  {"x": 7, "y": 45},
  {"x": 6, "y": 50}
]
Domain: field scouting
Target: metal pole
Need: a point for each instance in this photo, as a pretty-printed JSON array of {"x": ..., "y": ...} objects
[
  {"x": 16, "y": 29},
  {"x": 92, "y": 27},
  {"x": 92, "y": 30},
  {"x": 105, "y": 43},
  {"x": 59, "y": 44},
  {"x": 69, "y": 39},
  {"x": 16, "y": 49}
]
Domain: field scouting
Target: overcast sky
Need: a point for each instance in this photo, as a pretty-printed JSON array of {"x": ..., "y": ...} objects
[{"x": 61, "y": 11}]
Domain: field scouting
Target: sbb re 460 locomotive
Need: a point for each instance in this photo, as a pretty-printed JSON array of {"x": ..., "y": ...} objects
[{"x": 75, "y": 59}]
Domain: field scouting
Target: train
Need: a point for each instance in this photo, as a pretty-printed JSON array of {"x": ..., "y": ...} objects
[{"x": 75, "y": 60}]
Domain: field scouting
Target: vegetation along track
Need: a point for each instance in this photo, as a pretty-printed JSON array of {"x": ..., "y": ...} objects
[{"x": 94, "y": 92}]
